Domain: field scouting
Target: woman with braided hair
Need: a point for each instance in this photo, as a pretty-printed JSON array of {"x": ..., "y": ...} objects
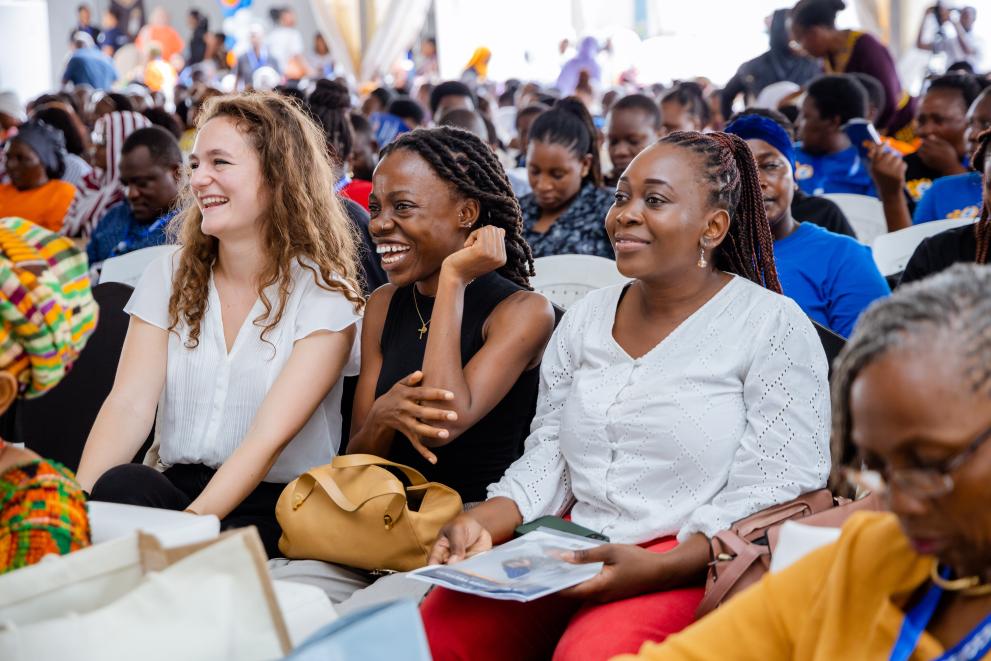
[
  {"x": 450, "y": 346},
  {"x": 563, "y": 215},
  {"x": 669, "y": 408},
  {"x": 911, "y": 399},
  {"x": 969, "y": 243}
]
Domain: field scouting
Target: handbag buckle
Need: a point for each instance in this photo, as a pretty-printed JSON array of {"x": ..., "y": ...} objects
[
  {"x": 388, "y": 522},
  {"x": 297, "y": 500}
]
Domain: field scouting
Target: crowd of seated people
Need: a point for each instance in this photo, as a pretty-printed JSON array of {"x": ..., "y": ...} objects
[{"x": 352, "y": 274}]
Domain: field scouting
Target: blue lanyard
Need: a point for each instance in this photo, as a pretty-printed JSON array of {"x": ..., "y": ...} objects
[{"x": 974, "y": 645}]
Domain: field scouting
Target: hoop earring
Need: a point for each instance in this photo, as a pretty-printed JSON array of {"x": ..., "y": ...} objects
[{"x": 701, "y": 263}]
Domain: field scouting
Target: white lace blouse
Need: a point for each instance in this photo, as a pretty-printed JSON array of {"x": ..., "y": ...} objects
[
  {"x": 211, "y": 397},
  {"x": 728, "y": 415}
]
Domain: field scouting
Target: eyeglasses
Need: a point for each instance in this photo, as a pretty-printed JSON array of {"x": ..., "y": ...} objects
[{"x": 931, "y": 482}]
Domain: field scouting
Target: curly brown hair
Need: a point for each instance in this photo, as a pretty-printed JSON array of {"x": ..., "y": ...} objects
[{"x": 304, "y": 223}]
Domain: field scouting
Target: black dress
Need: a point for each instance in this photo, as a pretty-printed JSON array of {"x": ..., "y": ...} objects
[{"x": 481, "y": 454}]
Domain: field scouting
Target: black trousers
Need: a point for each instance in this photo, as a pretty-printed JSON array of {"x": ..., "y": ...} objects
[{"x": 177, "y": 487}]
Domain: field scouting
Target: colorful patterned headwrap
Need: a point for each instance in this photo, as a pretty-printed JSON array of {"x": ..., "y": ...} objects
[{"x": 47, "y": 311}]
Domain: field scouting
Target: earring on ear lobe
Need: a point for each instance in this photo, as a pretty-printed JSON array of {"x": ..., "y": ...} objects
[{"x": 701, "y": 263}]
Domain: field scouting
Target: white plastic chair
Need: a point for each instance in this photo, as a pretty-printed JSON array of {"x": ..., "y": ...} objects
[
  {"x": 893, "y": 250},
  {"x": 565, "y": 279},
  {"x": 865, "y": 213},
  {"x": 128, "y": 268}
]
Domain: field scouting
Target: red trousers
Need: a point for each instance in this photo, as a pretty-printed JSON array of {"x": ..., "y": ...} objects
[{"x": 461, "y": 626}]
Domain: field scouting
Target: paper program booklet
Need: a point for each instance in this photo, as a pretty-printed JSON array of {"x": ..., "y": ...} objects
[{"x": 524, "y": 569}]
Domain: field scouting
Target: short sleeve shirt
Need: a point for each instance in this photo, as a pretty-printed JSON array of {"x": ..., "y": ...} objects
[{"x": 211, "y": 396}]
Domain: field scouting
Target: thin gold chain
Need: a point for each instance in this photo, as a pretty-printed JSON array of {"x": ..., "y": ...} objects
[{"x": 422, "y": 330}]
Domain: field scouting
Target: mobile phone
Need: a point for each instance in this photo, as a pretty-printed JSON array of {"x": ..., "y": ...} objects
[
  {"x": 862, "y": 135},
  {"x": 557, "y": 523}
]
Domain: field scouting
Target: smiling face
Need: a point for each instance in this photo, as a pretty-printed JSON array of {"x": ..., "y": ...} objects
[
  {"x": 24, "y": 167},
  {"x": 815, "y": 40},
  {"x": 416, "y": 219},
  {"x": 662, "y": 214},
  {"x": 150, "y": 188},
  {"x": 555, "y": 173},
  {"x": 628, "y": 132},
  {"x": 943, "y": 114},
  {"x": 909, "y": 409},
  {"x": 777, "y": 185},
  {"x": 226, "y": 179}
]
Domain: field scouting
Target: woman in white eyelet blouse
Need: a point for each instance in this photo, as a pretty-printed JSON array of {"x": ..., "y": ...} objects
[
  {"x": 237, "y": 342},
  {"x": 669, "y": 408}
]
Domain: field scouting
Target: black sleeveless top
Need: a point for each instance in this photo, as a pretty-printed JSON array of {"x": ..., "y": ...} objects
[{"x": 480, "y": 456}]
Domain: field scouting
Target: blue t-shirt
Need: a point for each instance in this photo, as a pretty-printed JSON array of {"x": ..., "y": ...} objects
[
  {"x": 832, "y": 277},
  {"x": 92, "y": 67},
  {"x": 118, "y": 233},
  {"x": 956, "y": 196},
  {"x": 842, "y": 172}
]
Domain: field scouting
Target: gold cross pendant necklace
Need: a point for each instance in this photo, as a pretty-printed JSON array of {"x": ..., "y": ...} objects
[{"x": 422, "y": 330}]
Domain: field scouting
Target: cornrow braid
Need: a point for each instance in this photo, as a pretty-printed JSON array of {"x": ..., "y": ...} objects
[
  {"x": 982, "y": 228},
  {"x": 471, "y": 167},
  {"x": 731, "y": 174},
  {"x": 953, "y": 302}
]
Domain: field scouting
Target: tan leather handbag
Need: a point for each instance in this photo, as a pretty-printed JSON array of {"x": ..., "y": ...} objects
[
  {"x": 355, "y": 512},
  {"x": 740, "y": 556}
]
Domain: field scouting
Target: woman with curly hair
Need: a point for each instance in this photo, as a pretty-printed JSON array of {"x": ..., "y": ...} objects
[{"x": 241, "y": 338}]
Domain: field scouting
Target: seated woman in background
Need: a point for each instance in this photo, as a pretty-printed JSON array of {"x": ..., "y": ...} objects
[
  {"x": 813, "y": 26},
  {"x": 967, "y": 243},
  {"x": 240, "y": 340},
  {"x": 833, "y": 278},
  {"x": 48, "y": 314},
  {"x": 958, "y": 195},
  {"x": 61, "y": 117},
  {"x": 35, "y": 163},
  {"x": 102, "y": 189},
  {"x": 825, "y": 161},
  {"x": 564, "y": 214},
  {"x": 633, "y": 124},
  {"x": 669, "y": 407},
  {"x": 330, "y": 105},
  {"x": 911, "y": 392},
  {"x": 456, "y": 319},
  {"x": 684, "y": 108}
]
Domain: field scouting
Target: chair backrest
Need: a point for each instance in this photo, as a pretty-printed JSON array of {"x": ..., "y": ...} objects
[
  {"x": 56, "y": 426},
  {"x": 892, "y": 251},
  {"x": 865, "y": 213},
  {"x": 129, "y": 267},
  {"x": 565, "y": 279}
]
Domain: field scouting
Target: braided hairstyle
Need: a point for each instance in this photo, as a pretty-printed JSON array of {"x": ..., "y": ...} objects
[
  {"x": 730, "y": 172},
  {"x": 983, "y": 226},
  {"x": 330, "y": 104},
  {"x": 953, "y": 304},
  {"x": 569, "y": 124},
  {"x": 470, "y": 166}
]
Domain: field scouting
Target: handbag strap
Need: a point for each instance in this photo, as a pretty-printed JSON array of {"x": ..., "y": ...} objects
[
  {"x": 397, "y": 502},
  {"x": 745, "y": 555},
  {"x": 357, "y": 460}
]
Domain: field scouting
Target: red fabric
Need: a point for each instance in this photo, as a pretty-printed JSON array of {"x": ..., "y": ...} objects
[
  {"x": 358, "y": 191},
  {"x": 461, "y": 626}
]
